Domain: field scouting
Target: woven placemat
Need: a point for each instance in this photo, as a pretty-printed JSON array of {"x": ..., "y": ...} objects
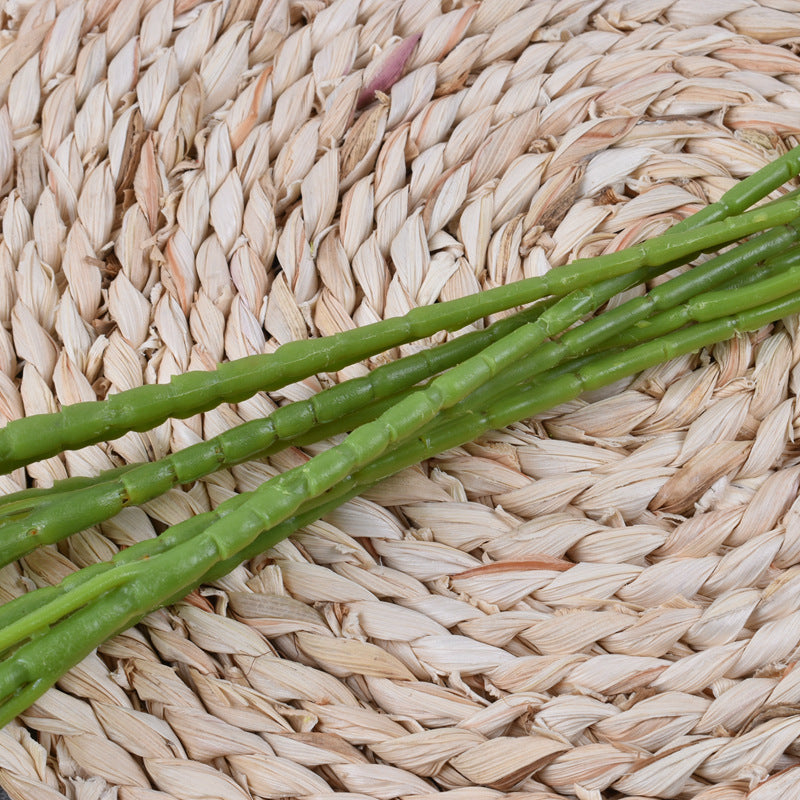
[{"x": 602, "y": 602}]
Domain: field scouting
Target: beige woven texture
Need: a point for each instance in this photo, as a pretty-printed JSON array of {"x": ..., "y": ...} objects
[{"x": 603, "y": 602}]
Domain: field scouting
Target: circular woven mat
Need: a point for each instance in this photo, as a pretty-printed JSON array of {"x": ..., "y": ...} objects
[{"x": 602, "y": 602}]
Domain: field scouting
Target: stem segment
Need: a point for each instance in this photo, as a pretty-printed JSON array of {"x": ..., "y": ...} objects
[{"x": 42, "y": 435}]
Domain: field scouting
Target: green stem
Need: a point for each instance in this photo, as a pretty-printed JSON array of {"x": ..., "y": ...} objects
[
  {"x": 35, "y": 517},
  {"x": 108, "y": 598},
  {"x": 42, "y": 435},
  {"x": 53, "y": 515},
  {"x": 156, "y": 580},
  {"x": 48, "y": 517}
]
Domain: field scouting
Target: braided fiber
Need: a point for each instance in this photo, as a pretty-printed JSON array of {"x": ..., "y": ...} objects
[{"x": 600, "y": 603}]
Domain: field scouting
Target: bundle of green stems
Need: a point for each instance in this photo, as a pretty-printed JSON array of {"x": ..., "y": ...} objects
[{"x": 557, "y": 344}]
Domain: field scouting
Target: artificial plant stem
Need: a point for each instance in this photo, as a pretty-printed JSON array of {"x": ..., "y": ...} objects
[
  {"x": 31, "y": 518},
  {"x": 31, "y": 667},
  {"x": 40, "y": 436},
  {"x": 300, "y": 416},
  {"x": 704, "y": 306},
  {"x": 46, "y": 518},
  {"x": 747, "y": 191},
  {"x": 38, "y": 663},
  {"x": 55, "y": 515},
  {"x": 767, "y": 278}
]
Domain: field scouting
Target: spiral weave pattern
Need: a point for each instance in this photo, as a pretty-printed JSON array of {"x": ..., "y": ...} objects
[{"x": 600, "y": 603}]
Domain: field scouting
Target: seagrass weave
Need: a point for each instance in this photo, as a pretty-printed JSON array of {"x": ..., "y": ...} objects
[{"x": 600, "y": 603}]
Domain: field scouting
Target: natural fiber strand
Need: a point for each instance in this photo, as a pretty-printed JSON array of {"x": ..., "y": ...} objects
[{"x": 600, "y": 603}]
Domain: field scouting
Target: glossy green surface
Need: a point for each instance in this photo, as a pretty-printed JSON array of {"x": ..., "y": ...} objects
[{"x": 506, "y": 378}]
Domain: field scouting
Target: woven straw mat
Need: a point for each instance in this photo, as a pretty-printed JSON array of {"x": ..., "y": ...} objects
[{"x": 601, "y": 602}]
